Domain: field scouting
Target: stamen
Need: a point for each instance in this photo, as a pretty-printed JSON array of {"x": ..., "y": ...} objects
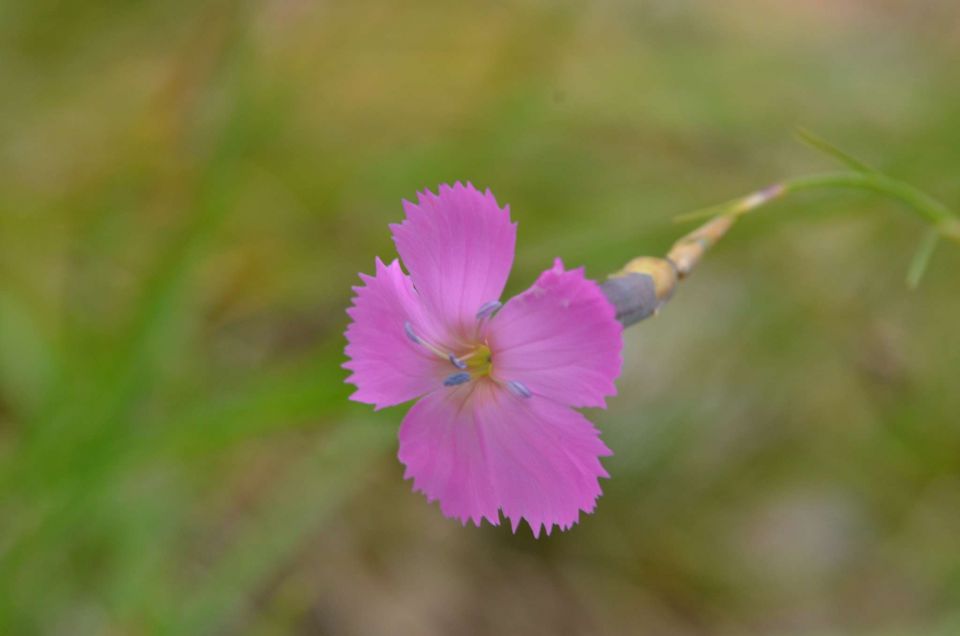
[
  {"x": 519, "y": 389},
  {"x": 408, "y": 329},
  {"x": 457, "y": 362},
  {"x": 457, "y": 378},
  {"x": 488, "y": 309}
]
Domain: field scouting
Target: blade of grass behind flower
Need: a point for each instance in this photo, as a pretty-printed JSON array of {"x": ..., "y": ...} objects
[
  {"x": 921, "y": 259},
  {"x": 822, "y": 145},
  {"x": 62, "y": 468},
  {"x": 303, "y": 501}
]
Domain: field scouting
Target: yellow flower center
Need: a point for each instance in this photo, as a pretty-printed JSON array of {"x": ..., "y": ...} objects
[{"x": 479, "y": 361}]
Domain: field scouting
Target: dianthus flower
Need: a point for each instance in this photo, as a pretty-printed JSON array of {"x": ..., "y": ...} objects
[{"x": 494, "y": 429}]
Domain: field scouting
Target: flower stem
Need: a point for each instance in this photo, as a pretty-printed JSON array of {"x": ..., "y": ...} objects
[
  {"x": 926, "y": 207},
  {"x": 644, "y": 284}
]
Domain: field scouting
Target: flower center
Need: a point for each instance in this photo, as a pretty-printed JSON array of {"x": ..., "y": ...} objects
[
  {"x": 479, "y": 361},
  {"x": 476, "y": 363}
]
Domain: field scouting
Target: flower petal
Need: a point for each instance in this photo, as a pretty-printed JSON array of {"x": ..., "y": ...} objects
[
  {"x": 479, "y": 448},
  {"x": 458, "y": 247},
  {"x": 560, "y": 338},
  {"x": 388, "y": 367}
]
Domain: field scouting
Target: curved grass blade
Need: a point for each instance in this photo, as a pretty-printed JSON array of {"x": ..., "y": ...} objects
[
  {"x": 921, "y": 259},
  {"x": 822, "y": 145}
]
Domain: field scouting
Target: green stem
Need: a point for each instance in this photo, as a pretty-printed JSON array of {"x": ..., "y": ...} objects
[
  {"x": 943, "y": 220},
  {"x": 924, "y": 205}
]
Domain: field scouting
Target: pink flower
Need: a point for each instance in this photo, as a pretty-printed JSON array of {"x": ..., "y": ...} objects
[{"x": 495, "y": 427}]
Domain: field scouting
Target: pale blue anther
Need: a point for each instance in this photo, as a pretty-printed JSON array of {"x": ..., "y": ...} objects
[
  {"x": 457, "y": 378},
  {"x": 519, "y": 389},
  {"x": 457, "y": 362},
  {"x": 408, "y": 329},
  {"x": 488, "y": 309}
]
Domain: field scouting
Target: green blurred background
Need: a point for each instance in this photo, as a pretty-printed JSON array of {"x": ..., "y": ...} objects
[{"x": 188, "y": 190}]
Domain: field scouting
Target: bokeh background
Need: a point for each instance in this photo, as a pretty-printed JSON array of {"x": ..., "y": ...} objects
[{"x": 188, "y": 190}]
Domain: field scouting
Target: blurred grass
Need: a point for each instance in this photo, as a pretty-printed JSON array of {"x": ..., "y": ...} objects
[{"x": 188, "y": 190}]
